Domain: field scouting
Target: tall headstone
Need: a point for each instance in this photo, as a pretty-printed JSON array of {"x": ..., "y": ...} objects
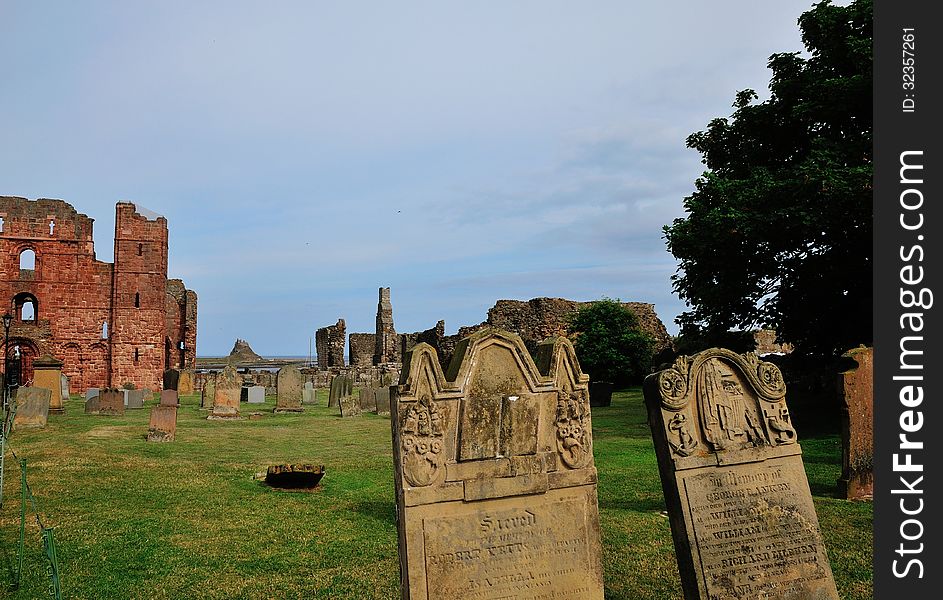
[
  {"x": 341, "y": 386},
  {"x": 309, "y": 393},
  {"x": 163, "y": 425},
  {"x": 171, "y": 379},
  {"x": 368, "y": 399},
  {"x": 185, "y": 382},
  {"x": 226, "y": 398},
  {"x": 494, "y": 473},
  {"x": 288, "y": 389},
  {"x": 64, "y": 383},
  {"x": 731, "y": 469},
  {"x": 382, "y": 396},
  {"x": 209, "y": 392},
  {"x": 856, "y": 386},
  {"x": 47, "y": 373},
  {"x": 169, "y": 398},
  {"x": 255, "y": 394},
  {"x": 32, "y": 408},
  {"x": 111, "y": 402},
  {"x": 135, "y": 398}
]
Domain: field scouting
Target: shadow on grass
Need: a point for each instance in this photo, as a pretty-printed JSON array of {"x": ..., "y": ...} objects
[{"x": 384, "y": 512}]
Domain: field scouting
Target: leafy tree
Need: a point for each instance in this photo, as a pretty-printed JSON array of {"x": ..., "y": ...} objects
[
  {"x": 778, "y": 231},
  {"x": 609, "y": 343}
]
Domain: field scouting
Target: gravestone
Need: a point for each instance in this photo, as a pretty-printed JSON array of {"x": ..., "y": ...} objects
[
  {"x": 368, "y": 399},
  {"x": 383, "y": 400},
  {"x": 91, "y": 393},
  {"x": 341, "y": 386},
  {"x": 494, "y": 473},
  {"x": 226, "y": 398},
  {"x": 185, "y": 383},
  {"x": 32, "y": 408},
  {"x": 208, "y": 393},
  {"x": 255, "y": 394},
  {"x": 47, "y": 372},
  {"x": 64, "y": 382},
  {"x": 288, "y": 389},
  {"x": 856, "y": 386},
  {"x": 731, "y": 469},
  {"x": 309, "y": 394},
  {"x": 125, "y": 394},
  {"x": 171, "y": 379},
  {"x": 111, "y": 402},
  {"x": 169, "y": 398},
  {"x": 163, "y": 425},
  {"x": 135, "y": 398},
  {"x": 93, "y": 405},
  {"x": 349, "y": 406}
]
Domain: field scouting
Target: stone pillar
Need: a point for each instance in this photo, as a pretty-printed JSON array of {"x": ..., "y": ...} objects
[
  {"x": 856, "y": 387},
  {"x": 386, "y": 335},
  {"x": 47, "y": 374}
]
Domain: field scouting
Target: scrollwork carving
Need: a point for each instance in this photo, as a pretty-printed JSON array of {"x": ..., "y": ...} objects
[
  {"x": 422, "y": 437},
  {"x": 572, "y": 435},
  {"x": 674, "y": 389}
]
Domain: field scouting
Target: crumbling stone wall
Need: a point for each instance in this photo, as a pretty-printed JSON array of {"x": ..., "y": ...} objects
[
  {"x": 386, "y": 340},
  {"x": 765, "y": 340},
  {"x": 362, "y": 348},
  {"x": 330, "y": 342},
  {"x": 181, "y": 325},
  {"x": 110, "y": 324}
]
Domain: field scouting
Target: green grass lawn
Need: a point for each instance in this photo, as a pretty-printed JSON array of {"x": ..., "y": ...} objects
[{"x": 188, "y": 520}]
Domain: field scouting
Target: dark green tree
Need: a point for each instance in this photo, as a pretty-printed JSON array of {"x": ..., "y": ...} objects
[
  {"x": 778, "y": 231},
  {"x": 609, "y": 343}
]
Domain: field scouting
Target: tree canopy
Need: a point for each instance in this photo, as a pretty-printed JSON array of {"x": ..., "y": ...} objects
[
  {"x": 779, "y": 227},
  {"x": 609, "y": 343}
]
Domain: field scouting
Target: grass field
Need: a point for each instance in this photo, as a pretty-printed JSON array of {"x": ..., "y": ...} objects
[{"x": 188, "y": 520}]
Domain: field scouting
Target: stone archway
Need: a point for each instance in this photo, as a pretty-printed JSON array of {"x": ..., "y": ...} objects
[{"x": 27, "y": 351}]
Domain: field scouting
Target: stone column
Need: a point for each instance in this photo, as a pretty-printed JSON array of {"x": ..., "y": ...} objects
[{"x": 386, "y": 334}]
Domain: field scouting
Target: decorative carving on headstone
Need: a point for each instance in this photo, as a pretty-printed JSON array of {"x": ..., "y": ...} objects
[
  {"x": 741, "y": 513},
  {"x": 495, "y": 481}
]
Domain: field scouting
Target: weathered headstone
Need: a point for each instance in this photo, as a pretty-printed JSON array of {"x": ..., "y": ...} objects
[
  {"x": 255, "y": 394},
  {"x": 91, "y": 393},
  {"x": 738, "y": 499},
  {"x": 163, "y": 425},
  {"x": 171, "y": 379},
  {"x": 185, "y": 382},
  {"x": 856, "y": 386},
  {"x": 309, "y": 394},
  {"x": 494, "y": 473},
  {"x": 125, "y": 394},
  {"x": 341, "y": 386},
  {"x": 135, "y": 398},
  {"x": 93, "y": 405},
  {"x": 209, "y": 392},
  {"x": 47, "y": 371},
  {"x": 349, "y": 406},
  {"x": 368, "y": 399},
  {"x": 226, "y": 399},
  {"x": 64, "y": 382},
  {"x": 288, "y": 389},
  {"x": 111, "y": 402},
  {"x": 32, "y": 408},
  {"x": 169, "y": 398},
  {"x": 383, "y": 400}
]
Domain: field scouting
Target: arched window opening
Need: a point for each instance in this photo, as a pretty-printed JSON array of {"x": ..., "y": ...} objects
[
  {"x": 27, "y": 260},
  {"x": 1, "y": 224},
  {"x": 105, "y": 330},
  {"x": 52, "y": 227},
  {"x": 140, "y": 249},
  {"x": 137, "y": 300},
  {"x": 25, "y": 307}
]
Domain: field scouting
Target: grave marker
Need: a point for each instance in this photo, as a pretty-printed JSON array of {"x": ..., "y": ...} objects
[
  {"x": 163, "y": 425},
  {"x": 111, "y": 402},
  {"x": 255, "y": 394},
  {"x": 288, "y": 389},
  {"x": 856, "y": 386},
  {"x": 32, "y": 407},
  {"x": 169, "y": 398},
  {"x": 226, "y": 398},
  {"x": 309, "y": 394},
  {"x": 738, "y": 499},
  {"x": 494, "y": 473}
]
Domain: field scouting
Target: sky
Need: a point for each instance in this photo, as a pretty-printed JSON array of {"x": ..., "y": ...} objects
[{"x": 307, "y": 153}]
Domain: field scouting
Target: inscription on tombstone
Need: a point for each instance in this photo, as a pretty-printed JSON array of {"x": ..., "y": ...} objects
[
  {"x": 494, "y": 473},
  {"x": 32, "y": 407},
  {"x": 226, "y": 398},
  {"x": 111, "y": 402},
  {"x": 738, "y": 499},
  {"x": 163, "y": 425},
  {"x": 288, "y": 390},
  {"x": 185, "y": 383}
]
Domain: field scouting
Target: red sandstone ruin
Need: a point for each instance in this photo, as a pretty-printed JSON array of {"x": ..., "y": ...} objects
[{"x": 111, "y": 324}]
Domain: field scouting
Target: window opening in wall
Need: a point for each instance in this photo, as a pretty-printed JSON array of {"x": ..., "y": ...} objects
[
  {"x": 137, "y": 300},
  {"x": 25, "y": 307},
  {"x": 52, "y": 227},
  {"x": 27, "y": 260},
  {"x": 28, "y": 312},
  {"x": 137, "y": 354},
  {"x": 1, "y": 224},
  {"x": 105, "y": 330},
  {"x": 140, "y": 249}
]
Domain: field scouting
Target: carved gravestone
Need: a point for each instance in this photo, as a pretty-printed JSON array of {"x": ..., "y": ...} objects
[
  {"x": 163, "y": 425},
  {"x": 169, "y": 398},
  {"x": 349, "y": 406},
  {"x": 185, "y": 383},
  {"x": 368, "y": 399},
  {"x": 731, "y": 469},
  {"x": 341, "y": 386},
  {"x": 288, "y": 389},
  {"x": 308, "y": 394},
  {"x": 856, "y": 386},
  {"x": 135, "y": 398},
  {"x": 111, "y": 402},
  {"x": 226, "y": 398},
  {"x": 171, "y": 379},
  {"x": 209, "y": 392},
  {"x": 255, "y": 394},
  {"x": 32, "y": 407},
  {"x": 494, "y": 473},
  {"x": 383, "y": 400}
]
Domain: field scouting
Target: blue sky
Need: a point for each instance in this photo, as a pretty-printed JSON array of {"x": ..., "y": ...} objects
[{"x": 307, "y": 153}]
